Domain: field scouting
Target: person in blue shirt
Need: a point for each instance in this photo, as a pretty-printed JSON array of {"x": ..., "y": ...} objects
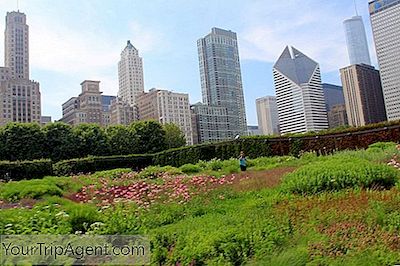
[{"x": 243, "y": 162}]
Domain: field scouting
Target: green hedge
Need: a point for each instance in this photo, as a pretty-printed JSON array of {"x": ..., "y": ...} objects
[
  {"x": 93, "y": 164},
  {"x": 25, "y": 169}
]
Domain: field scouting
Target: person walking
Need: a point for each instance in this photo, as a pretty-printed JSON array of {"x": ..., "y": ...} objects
[{"x": 243, "y": 162}]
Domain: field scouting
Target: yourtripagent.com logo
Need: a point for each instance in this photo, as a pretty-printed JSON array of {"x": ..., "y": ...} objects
[{"x": 74, "y": 250}]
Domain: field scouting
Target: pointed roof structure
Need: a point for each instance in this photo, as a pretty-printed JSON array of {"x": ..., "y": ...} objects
[
  {"x": 295, "y": 65},
  {"x": 130, "y": 46}
]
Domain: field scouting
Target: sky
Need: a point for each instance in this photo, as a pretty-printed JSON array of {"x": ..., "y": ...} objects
[{"x": 76, "y": 40}]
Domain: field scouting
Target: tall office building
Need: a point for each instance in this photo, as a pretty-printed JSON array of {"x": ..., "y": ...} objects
[
  {"x": 20, "y": 97},
  {"x": 357, "y": 44},
  {"x": 267, "y": 114},
  {"x": 221, "y": 79},
  {"x": 299, "y": 95},
  {"x": 385, "y": 17},
  {"x": 130, "y": 75},
  {"x": 363, "y": 95},
  {"x": 335, "y": 105},
  {"x": 167, "y": 107}
]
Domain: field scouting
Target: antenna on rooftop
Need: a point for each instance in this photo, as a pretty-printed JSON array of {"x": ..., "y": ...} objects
[
  {"x": 355, "y": 7},
  {"x": 18, "y": 5}
]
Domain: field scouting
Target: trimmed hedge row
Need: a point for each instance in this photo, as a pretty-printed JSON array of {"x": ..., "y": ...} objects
[
  {"x": 25, "y": 169},
  {"x": 93, "y": 164},
  {"x": 253, "y": 147}
]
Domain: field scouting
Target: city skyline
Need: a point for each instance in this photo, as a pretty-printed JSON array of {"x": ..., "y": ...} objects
[{"x": 61, "y": 58}]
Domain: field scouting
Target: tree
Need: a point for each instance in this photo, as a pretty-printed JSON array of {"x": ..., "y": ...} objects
[
  {"x": 60, "y": 141},
  {"x": 121, "y": 140},
  {"x": 174, "y": 136},
  {"x": 22, "y": 141},
  {"x": 91, "y": 140},
  {"x": 149, "y": 137}
]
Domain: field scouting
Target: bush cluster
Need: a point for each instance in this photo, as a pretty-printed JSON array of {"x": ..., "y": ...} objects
[
  {"x": 339, "y": 173},
  {"x": 25, "y": 169},
  {"x": 94, "y": 164},
  {"x": 59, "y": 141}
]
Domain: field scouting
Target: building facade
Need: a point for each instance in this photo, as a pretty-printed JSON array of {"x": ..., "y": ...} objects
[
  {"x": 356, "y": 38},
  {"x": 363, "y": 95},
  {"x": 121, "y": 113},
  {"x": 211, "y": 124},
  {"x": 130, "y": 75},
  {"x": 220, "y": 74},
  {"x": 253, "y": 131},
  {"x": 167, "y": 107},
  {"x": 92, "y": 107},
  {"x": 267, "y": 114},
  {"x": 299, "y": 95},
  {"x": 335, "y": 105},
  {"x": 385, "y": 16},
  {"x": 20, "y": 98},
  {"x": 337, "y": 116}
]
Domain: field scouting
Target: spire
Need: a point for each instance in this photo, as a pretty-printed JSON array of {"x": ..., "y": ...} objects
[{"x": 355, "y": 7}]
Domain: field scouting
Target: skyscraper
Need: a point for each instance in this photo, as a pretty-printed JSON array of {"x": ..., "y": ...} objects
[
  {"x": 130, "y": 75},
  {"x": 363, "y": 95},
  {"x": 20, "y": 97},
  {"x": 267, "y": 114},
  {"x": 299, "y": 95},
  {"x": 335, "y": 105},
  {"x": 357, "y": 44},
  {"x": 385, "y": 16},
  {"x": 221, "y": 79}
]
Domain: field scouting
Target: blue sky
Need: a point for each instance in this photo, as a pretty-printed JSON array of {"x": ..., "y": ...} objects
[{"x": 74, "y": 40}]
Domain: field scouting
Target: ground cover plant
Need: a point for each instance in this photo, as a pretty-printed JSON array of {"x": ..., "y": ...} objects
[{"x": 338, "y": 209}]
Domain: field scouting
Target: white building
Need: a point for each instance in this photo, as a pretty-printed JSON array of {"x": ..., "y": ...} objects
[
  {"x": 267, "y": 114},
  {"x": 357, "y": 44},
  {"x": 299, "y": 95},
  {"x": 385, "y": 17},
  {"x": 20, "y": 98},
  {"x": 167, "y": 107},
  {"x": 130, "y": 75}
]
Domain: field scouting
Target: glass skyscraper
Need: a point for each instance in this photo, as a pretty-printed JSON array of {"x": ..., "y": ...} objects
[
  {"x": 357, "y": 44},
  {"x": 221, "y": 79}
]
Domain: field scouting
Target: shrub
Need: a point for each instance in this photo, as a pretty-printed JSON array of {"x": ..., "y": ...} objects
[
  {"x": 336, "y": 174},
  {"x": 157, "y": 171},
  {"x": 93, "y": 164},
  {"x": 382, "y": 146},
  {"x": 25, "y": 169},
  {"x": 191, "y": 168}
]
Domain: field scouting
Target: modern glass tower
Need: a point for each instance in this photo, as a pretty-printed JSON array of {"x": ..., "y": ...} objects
[
  {"x": 221, "y": 79},
  {"x": 357, "y": 44},
  {"x": 299, "y": 95},
  {"x": 385, "y": 17}
]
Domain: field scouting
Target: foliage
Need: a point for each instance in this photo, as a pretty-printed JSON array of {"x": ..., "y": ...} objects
[
  {"x": 336, "y": 174},
  {"x": 150, "y": 137},
  {"x": 152, "y": 172},
  {"x": 91, "y": 140},
  {"x": 174, "y": 136},
  {"x": 60, "y": 142},
  {"x": 19, "y": 170},
  {"x": 22, "y": 142},
  {"x": 190, "y": 168},
  {"x": 93, "y": 164},
  {"x": 121, "y": 140}
]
